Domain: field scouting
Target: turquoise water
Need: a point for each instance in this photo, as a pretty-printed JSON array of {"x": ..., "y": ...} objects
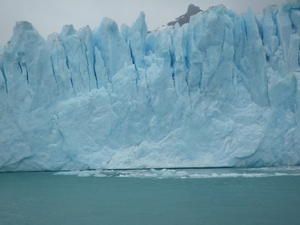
[{"x": 220, "y": 196}]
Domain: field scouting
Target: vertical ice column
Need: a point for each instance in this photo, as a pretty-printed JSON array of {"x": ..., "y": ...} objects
[
  {"x": 210, "y": 54},
  {"x": 27, "y": 67},
  {"x": 112, "y": 46},
  {"x": 284, "y": 27},
  {"x": 87, "y": 45},
  {"x": 252, "y": 63},
  {"x": 180, "y": 59},
  {"x": 137, "y": 41},
  {"x": 75, "y": 59},
  {"x": 59, "y": 67}
]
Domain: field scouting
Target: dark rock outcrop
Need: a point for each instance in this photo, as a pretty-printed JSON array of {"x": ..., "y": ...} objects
[{"x": 192, "y": 10}]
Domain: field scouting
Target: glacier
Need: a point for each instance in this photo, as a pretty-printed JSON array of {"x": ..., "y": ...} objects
[{"x": 220, "y": 91}]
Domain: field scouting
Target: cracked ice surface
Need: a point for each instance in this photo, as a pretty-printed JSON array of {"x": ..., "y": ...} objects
[{"x": 223, "y": 90}]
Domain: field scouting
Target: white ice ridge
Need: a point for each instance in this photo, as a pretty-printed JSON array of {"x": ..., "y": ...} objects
[{"x": 223, "y": 90}]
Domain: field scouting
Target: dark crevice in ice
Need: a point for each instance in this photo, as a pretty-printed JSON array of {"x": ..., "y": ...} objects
[
  {"x": 189, "y": 92},
  {"x": 96, "y": 79},
  {"x": 294, "y": 28},
  {"x": 172, "y": 61},
  {"x": 94, "y": 69},
  {"x": 5, "y": 79},
  {"x": 65, "y": 51},
  {"x": 87, "y": 65},
  {"x": 173, "y": 78},
  {"x": 244, "y": 26},
  {"x": 200, "y": 80},
  {"x": 131, "y": 55},
  {"x": 21, "y": 70},
  {"x": 260, "y": 30},
  {"x": 276, "y": 27},
  {"x": 71, "y": 80},
  {"x": 135, "y": 67},
  {"x": 54, "y": 74},
  {"x": 27, "y": 75},
  {"x": 67, "y": 62},
  {"x": 187, "y": 64}
]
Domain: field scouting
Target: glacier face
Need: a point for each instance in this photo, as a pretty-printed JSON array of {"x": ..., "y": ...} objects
[{"x": 223, "y": 90}]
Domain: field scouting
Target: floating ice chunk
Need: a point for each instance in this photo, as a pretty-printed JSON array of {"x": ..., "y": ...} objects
[{"x": 188, "y": 173}]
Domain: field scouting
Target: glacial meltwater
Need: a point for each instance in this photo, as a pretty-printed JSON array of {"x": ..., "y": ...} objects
[{"x": 156, "y": 196}]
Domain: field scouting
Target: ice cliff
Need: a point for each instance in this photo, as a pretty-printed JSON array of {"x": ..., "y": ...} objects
[{"x": 222, "y": 90}]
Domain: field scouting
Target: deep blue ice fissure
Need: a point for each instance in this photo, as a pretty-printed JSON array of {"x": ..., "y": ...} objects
[{"x": 222, "y": 90}]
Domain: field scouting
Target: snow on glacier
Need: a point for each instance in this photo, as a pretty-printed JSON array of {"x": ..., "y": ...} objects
[{"x": 223, "y": 90}]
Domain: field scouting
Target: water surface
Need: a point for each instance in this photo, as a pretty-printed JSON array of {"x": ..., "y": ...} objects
[{"x": 224, "y": 196}]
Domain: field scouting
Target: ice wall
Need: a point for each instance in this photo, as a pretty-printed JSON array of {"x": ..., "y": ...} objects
[{"x": 223, "y": 90}]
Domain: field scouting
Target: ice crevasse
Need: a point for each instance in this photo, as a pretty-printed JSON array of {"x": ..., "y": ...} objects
[{"x": 222, "y": 90}]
